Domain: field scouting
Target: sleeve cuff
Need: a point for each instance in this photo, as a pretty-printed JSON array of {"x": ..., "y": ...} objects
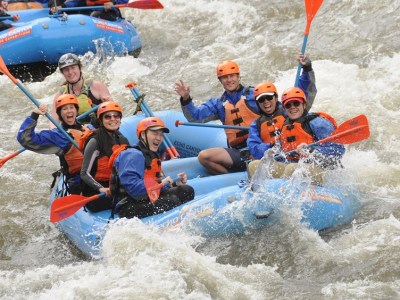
[
  {"x": 35, "y": 116},
  {"x": 185, "y": 102},
  {"x": 307, "y": 67}
]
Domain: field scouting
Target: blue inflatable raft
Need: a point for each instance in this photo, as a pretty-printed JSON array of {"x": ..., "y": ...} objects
[
  {"x": 32, "y": 48},
  {"x": 223, "y": 204}
]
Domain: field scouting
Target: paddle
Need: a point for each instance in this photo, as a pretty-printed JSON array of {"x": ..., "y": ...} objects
[
  {"x": 154, "y": 191},
  {"x": 6, "y": 18},
  {"x": 8, "y": 157},
  {"x": 312, "y": 7},
  {"x": 14, "y": 154},
  {"x": 65, "y": 207},
  {"x": 4, "y": 70},
  {"x": 351, "y": 131},
  {"x": 173, "y": 153},
  {"x": 153, "y": 188},
  {"x": 140, "y": 4},
  {"x": 177, "y": 123}
]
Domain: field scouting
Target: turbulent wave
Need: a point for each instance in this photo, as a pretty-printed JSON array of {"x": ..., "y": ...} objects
[{"x": 354, "y": 48}]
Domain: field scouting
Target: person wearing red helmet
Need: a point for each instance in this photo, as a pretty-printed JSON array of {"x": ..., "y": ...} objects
[
  {"x": 236, "y": 106},
  {"x": 300, "y": 129},
  {"x": 137, "y": 170},
  {"x": 55, "y": 142},
  {"x": 264, "y": 131},
  {"x": 95, "y": 171},
  {"x": 89, "y": 92}
]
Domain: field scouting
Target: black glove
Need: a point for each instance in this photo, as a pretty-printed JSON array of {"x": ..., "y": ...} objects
[
  {"x": 185, "y": 102},
  {"x": 307, "y": 67},
  {"x": 35, "y": 116}
]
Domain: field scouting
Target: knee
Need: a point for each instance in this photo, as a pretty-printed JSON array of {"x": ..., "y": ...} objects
[
  {"x": 317, "y": 175},
  {"x": 252, "y": 167},
  {"x": 186, "y": 193},
  {"x": 95, "y": 14},
  {"x": 278, "y": 170},
  {"x": 203, "y": 156},
  {"x": 289, "y": 170}
]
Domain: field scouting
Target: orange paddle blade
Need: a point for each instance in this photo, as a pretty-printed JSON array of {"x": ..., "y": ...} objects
[
  {"x": 352, "y": 123},
  {"x": 8, "y": 157},
  {"x": 142, "y": 4},
  {"x": 349, "y": 136},
  {"x": 351, "y": 131},
  {"x": 4, "y": 70},
  {"x": 153, "y": 189},
  {"x": 65, "y": 207},
  {"x": 312, "y": 7}
]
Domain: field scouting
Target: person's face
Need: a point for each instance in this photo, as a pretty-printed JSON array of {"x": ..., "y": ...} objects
[
  {"x": 267, "y": 103},
  {"x": 294, "y": 109},
  {"x": 71, "y": 73},
  {"x": 111, "y": 120},
  {"x": 230, "y": 82},
  {"x": 68, "y": 113},
  {"x": 154, "y": 138}
]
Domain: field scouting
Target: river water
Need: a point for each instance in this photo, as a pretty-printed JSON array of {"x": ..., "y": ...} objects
[{"x": 354, "y": 45}]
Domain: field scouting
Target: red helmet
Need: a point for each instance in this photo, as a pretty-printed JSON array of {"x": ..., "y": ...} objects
[
  {"x": 226, "y": 68},
  {"x": 264, "y": 88},
  {"x": 152, "y": 123},
  {"x": 293, "y": 93},
  {"x": 108, "y": 106},
  {"x": 66, "y": 99}
]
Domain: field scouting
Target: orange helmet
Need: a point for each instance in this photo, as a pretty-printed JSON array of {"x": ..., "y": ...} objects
[
  {"x": 264, "y": 88},
  {"x": 293, "y": 93},
  {"x": 66, "y": 99},
  {"x": 108, "y": 106},
  {"x": 226, "y": 68},
  {"x": 152, "y": 123}
]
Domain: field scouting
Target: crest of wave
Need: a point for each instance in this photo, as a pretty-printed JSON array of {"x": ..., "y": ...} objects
[
  {"x": 375, "y": 244},
  {"x": 156, "y": 265}
]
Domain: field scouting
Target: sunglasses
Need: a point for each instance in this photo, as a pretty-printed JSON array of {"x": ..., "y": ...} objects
[
  {"x": 294, "y": 103},
  {"x": 110, "y": 116},
  {"x": 266, "y": 97}
]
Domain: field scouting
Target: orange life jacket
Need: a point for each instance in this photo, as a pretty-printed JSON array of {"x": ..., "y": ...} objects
[
  {"x": 22, "y": 5},
  {"x": 152, "y": 172},
  {"x": 74, "y": 156},
  {"x": 270, "y": 127},
  {"x": 114, "y": 155},
  {"x": 104, "y": 169},
  {"x": 295, "y": 133},
  {"x": 96, "y": 2},
  {"x": 238, "y": 115}
]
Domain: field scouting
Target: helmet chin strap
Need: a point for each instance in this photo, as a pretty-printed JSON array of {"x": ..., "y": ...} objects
[
  {"x": 146, "y": 143},
  {"x": 79, "y": 79}
]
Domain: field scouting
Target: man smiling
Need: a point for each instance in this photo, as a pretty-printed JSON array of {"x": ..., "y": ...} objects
[
  {"x": 137, "y": 183},
  {"x": 236, "y": 106}
]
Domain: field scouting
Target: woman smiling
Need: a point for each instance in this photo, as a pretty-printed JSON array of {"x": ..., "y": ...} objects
[
  {"x": 95, "y": 172},
  {"x": 301, "y": 129}
]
